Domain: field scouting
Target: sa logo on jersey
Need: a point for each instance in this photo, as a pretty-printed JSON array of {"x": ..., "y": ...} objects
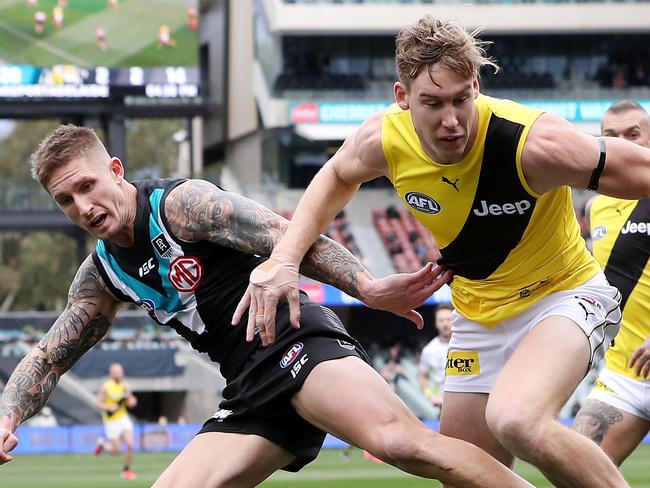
[
  {"x": 291, "y": 355},
  {"x": 185, "y": 273},
  {"x": 422, "y": 202}
]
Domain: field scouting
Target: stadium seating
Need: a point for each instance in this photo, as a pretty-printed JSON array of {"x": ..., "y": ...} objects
[
  {"x": 339, "y": 230},
  {"x": 408, "y": 243}
]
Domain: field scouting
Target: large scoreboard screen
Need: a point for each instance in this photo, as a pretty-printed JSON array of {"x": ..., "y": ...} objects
[{"x": 81, "y": 49}]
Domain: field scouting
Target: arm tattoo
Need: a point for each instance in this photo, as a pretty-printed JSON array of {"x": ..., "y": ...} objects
[
  {"x": 82, "y": 324},
  {"x": 595, "y": 418},
  {"x": 197, "y": 210}
]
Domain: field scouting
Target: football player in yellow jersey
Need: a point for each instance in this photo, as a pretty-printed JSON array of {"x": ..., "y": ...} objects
[
  {"x": 114, "y": 398},
  {"x": 616, "y": 414},
  {"x": 534, "y": 310}
]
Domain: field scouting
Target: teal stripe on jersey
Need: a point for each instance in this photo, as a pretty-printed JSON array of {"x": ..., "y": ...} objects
[
  {"x": 168, "y": 304},
  {"x": 155, "y": 229}
]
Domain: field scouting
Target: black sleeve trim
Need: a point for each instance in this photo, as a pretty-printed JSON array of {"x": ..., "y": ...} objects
[{"x": 595, "y": 176}]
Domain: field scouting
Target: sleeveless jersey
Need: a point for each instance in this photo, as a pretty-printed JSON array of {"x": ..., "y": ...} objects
[
  {"x": 115, "y": 396},
  {"x": 507, "y": 245},
  {"x": 620, "y": 231},
  {"x": 192, "y": 287}
]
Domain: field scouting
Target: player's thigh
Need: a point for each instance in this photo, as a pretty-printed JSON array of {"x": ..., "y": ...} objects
[
  {"x": 127, "y": 437},
  {"x": 616, "y": 431},
  {"x": 463, "y": 417},
  {"x": 221, "y": 459},
  {"x": 351, "y": 400},
  {"x": 542, "y": 373}
]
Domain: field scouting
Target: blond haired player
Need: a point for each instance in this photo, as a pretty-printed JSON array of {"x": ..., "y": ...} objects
[
  {"x": 534, "y": 309},
  {"x": 616, "y": 414}
]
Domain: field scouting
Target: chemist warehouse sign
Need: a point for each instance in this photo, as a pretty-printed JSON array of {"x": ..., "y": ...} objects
[{"x": 357, "y": 112}]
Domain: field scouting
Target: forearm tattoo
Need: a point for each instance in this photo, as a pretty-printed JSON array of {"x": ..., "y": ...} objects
[
  {"x": 197, "y": 210},
  {"x": 595, "y": 418},
  {"x": 80, "y": 326}
]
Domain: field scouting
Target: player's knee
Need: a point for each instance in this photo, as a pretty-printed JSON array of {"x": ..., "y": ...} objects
[
  {"x": 516, "y": 430},
  {"x": 402, "y": 444}
]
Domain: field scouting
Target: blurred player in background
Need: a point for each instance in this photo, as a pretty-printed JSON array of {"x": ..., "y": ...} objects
[
  {"x": 100, "y": 33},
  {"x": 114, "y": 398},
  {"x": 39, "y": 22},
  {"x": 616, "y": 414},
  {"x": 433, "y": 358},
  {"x": 491, "y": 180},
  {"x": 114, "y": 4},
  {"x": 192, "y": 18},
  {"x": 165, "y": 37},
  {"x": 57, "y": 16}
]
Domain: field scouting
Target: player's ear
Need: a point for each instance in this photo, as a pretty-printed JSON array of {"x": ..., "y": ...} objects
[
  {"x": 117, "y": 169},
  {"x": 401, "y": 97}
]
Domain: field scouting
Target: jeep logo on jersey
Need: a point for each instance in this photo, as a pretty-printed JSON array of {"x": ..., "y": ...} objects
[
  {"x": 636, "y": 228},
  {"x": 291, "y": 355},
  {"x": 162, "y": 246},
  {"x": 422, "y": 203},
  {"x": 519, "y": 207},
  {"x": 185, "y": 273}
]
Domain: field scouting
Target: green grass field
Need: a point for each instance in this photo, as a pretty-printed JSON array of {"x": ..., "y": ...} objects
[
  {"x": 132, "y": 34},
  {"x": 329, "y": 470}
]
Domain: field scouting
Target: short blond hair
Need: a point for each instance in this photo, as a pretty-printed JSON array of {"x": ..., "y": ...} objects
[
  {"x": 62, "y": 145},
  {"x": 430, "y": 41}
]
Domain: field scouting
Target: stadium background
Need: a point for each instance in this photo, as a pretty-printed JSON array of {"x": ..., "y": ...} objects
[{"x": 255, "y": 97}]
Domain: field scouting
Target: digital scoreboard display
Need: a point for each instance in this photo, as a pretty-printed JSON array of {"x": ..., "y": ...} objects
[{"x": 93, "y": 49}]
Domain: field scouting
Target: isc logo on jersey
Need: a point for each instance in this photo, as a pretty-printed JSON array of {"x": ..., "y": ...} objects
[
  {"x": 519, "y": 207},
  {"x": 422, "y": 203}
]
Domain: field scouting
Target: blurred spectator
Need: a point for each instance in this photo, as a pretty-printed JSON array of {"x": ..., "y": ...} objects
[
  {"x": 393, "y": 372},
  {"x": 44, "y": 419},
  {"x": 433, "y": 358}
]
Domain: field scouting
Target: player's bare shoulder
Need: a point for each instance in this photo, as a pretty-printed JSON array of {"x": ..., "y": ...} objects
[
  {"x": 193, "y": 208},
  {"x": 361, "y": 157},
  {"x": 368, "y": 143}
]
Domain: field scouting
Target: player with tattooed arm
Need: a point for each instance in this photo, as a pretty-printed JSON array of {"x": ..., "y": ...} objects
[{"x": 183, "y": 250}]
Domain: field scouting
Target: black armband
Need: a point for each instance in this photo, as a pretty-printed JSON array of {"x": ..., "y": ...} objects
[{"x": 595, "y": 176}]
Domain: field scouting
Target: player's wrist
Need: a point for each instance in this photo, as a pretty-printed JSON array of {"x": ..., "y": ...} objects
[
  {"x": 365, "y": 287},
  {"x": 286, "y": 259}
]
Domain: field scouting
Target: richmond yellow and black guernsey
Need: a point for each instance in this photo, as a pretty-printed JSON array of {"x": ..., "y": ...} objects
[
  {"x": 620, "y": 230},
  {"x": 507, "y": 245}
]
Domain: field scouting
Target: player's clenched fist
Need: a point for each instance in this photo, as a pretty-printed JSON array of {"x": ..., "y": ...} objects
[{"x": 8, "y": 442}]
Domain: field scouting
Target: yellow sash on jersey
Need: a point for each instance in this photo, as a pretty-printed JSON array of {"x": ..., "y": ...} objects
[
  {"x": 620, "y": 231},
  {"x": 548, "y": 256}
]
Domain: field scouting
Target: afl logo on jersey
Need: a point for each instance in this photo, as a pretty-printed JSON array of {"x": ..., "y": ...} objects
[
  {"x": 291, "y": 355},
  {"x": 185, "y": 273},
  {"x": 422, "y": 203},
  {"x": 599, "y": 232}
]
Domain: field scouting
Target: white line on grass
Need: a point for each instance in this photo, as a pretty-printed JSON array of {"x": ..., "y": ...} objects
[{"x": 43, "y": 45}]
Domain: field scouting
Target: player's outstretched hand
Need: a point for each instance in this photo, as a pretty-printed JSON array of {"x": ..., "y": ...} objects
[
  {"x": 401, "y": 293},
  {"x": 8, "y": 442},
  {"x": 641, "y": 358},
  {"x": 272, "y": 281}
]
